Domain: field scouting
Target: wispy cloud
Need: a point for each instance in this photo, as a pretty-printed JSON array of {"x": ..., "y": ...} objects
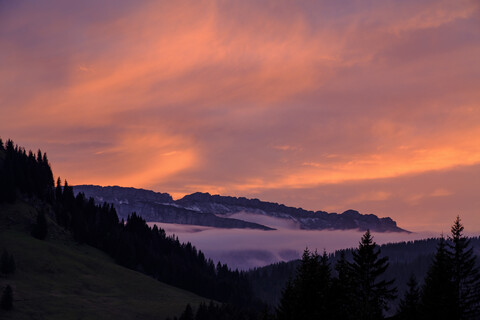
[{"x": 245, "y": 98}]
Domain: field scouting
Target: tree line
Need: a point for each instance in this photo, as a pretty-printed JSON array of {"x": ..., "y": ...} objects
[
  {"x": 360, "y": 290},
  {"x": 131, "y": 243},
  {"x": 405, "y": 258},
  {"x": 23, "y": 173}
]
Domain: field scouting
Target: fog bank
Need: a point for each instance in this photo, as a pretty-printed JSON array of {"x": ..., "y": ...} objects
[{"x": 248, "y": 248}]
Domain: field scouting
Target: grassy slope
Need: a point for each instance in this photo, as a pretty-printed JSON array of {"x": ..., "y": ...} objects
[{"x": 59, "y": 279}]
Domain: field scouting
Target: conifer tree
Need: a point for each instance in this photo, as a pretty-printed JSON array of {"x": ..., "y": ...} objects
[
  {"x": 325, "y": 298},
  {"x": 307, "y": 297},
  {"x": 286, "y": 309},
  {"x": 438, "y": 298},
  {"x": 68, "y": 197},
  {"x": 465, "y": 273},
  {"x": 409, "y": 305},
  {"x": 372, "y": 294},
  {"x": 342, "y": 290},
  {"x": 187, "y": 313},
  {"x": 202, "y": 312},
  {"x": 306, "y": 285},
  {"x": 6, "y": 303},
  {"x": 58, "y": 190},
  {"x": 39, "y": 156}
]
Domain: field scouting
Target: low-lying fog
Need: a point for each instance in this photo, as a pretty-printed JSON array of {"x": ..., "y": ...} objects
[{"x": 248, "y": 248}]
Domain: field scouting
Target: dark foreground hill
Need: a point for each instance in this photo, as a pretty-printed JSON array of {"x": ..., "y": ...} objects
[
  {"x": 51, "y": 234},
  {"x": 58, "y": 278},
  {"x": 216, "y": 211}
]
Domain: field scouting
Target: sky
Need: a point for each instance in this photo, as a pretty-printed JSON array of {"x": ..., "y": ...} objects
[{"x": 325, "y": 105}]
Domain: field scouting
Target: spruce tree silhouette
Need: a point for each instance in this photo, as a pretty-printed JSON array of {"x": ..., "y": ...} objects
[
  {"x": 372, "y": 294},
  {"x": 438, "y": 298},
  {"x": 408, "y": 308},
  {"x": 286, "y": 309},
  {"x": 187, "y": 313},
  {"x": 342, "y": 290},
  {"x": 465, "y": 273}
]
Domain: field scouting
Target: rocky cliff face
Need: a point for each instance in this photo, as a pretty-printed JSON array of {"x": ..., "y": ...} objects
[
  {"x": 158, "y": 207},
  {"x": 214, "y": 210}
]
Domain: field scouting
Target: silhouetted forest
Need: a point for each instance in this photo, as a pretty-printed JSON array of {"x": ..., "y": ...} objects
[
  {"x": 24, "y": 173},
  {"x": 362, "y": 286},
  {"x": 443, "y": 280},
  {"x": 405, "y": 259},
  {"x": 215, "y": 311},
  {"x": 135, "y": 245},
  {"x": 131, "y": 243}
]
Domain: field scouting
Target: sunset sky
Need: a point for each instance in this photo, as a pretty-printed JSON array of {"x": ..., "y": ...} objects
[{"x": 325, "y": 105}]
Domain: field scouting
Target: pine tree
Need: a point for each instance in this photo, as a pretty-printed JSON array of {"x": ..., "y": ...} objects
[
  {"x": 342, "y": 290},
  {"x": 286, "y": 309},
  {"x": 6, "y": 302},
  {"x": 187, "y": 313},
  {"x": 372, "y": 294},
  {"x": 58, "y": 190},
  {"x": 68, "y": 196},
  {"x": 307, "y": 296},
  {"x": 409, "y": 305},
  {"x": 438, "y": 298},
  {"x": 39, "y": 156},
  {"x": 465, "y": 273},
  {"x": 306, "y": 285},
  {"x": 325, "y": 298},
  {"x": 202, "y": 312}
]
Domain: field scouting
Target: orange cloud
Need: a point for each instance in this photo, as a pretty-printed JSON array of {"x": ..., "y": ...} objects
[
  {"x": 245, "y": 98},
  {"x": 136, "y": 159}
]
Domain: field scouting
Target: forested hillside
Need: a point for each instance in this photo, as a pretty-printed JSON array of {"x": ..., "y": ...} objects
[
  {"x": 57, "y": 278},
  {"x": 26, "y": 178}
]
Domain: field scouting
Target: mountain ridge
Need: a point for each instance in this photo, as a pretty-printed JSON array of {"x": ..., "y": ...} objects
[{"x": 214, "y": 210}]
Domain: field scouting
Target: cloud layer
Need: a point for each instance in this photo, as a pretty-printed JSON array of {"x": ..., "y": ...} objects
[
  {"x": 318, "y": 104},
  {"x": 246, "y": 248}
]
